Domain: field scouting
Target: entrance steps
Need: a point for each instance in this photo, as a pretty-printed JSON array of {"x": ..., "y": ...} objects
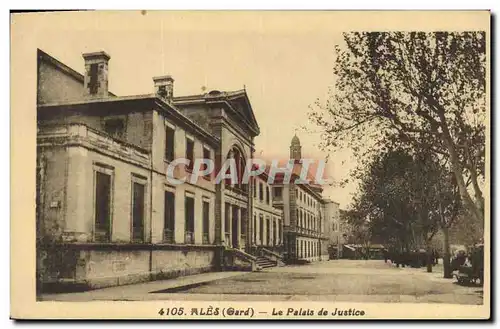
[{"x": 264, "y": 262}]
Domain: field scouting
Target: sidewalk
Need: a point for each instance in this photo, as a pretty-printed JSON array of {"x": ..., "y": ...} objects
[{"x": 139, "y": 291}]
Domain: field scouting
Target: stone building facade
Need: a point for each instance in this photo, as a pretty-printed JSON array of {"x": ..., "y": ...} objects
[
  {"x": 108, "y": 210},
  {"x": 303, "y": 212},
  {"x": 267, "y": 219},
  {"x": 107, "y": 214}
]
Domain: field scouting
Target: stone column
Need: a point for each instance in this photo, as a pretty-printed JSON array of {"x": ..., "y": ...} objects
[
  {"x": 238, "y": 214},
  {"x": 230, "y": 242},
  {"x": 231, "y": 156}
]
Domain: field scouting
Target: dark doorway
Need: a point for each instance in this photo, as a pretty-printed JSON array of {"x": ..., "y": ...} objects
[
  {"x": 274, "y": 233},
  {"x": 261, "y": 230},
  {"x": 268, "y": 232},
  {"x": 234, "y": 229}
]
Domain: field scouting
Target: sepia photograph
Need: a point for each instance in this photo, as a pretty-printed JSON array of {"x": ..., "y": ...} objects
[{"x": 251, "y": 164}]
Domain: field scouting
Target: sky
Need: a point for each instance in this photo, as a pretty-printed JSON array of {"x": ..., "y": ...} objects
[{"x": 284, "y": 61}]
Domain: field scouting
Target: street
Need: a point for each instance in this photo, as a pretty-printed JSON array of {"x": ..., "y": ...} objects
[{"x": 335, "y": 280}]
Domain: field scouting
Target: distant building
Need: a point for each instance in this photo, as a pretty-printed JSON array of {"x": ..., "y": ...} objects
[
  {"x": 267, "y": 218},
  {"x": 332, "y": 228},
  {"x": 305, "y": 217}
]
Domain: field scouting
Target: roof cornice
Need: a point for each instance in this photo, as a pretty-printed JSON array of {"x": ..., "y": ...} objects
[{"x": 149, "y": 100}]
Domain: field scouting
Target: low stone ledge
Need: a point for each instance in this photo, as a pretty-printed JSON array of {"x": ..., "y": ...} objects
[
  {"x": 69, "y": 285},
  {"x": 134, "y": 246}
]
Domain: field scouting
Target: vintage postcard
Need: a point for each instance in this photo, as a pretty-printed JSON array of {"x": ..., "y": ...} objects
[{"x": 250, "y": 165}]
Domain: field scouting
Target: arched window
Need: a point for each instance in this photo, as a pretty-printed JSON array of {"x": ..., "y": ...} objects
[{"x": 236, "y": 154}]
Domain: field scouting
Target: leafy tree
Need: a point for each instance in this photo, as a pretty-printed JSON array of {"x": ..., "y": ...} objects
[
  {"x": 466, "y": 230},
  {"x": 407, "y": 199},
  {"x": 384, "y": 199},
  {"x": 357, "y": 230},
  {"x": 424, "y": 89}
]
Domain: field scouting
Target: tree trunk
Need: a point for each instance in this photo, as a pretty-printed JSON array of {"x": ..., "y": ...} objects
[
  {"x": 457, "y": 169},
  {"x": 429, "y": 257},
  {"x": 446, "y": 255}
]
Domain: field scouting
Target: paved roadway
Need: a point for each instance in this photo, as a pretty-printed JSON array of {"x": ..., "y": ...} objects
[{"x": 335, "y": 280}]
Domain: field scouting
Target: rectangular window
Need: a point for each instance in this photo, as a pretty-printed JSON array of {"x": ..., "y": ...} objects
[
  {"x": 169, "y": 218},
  {"x": 206, "y": 156},
  {"x": 261, "y": 192},
  {"x": 189, "y": 220},
  {"x": 268, "y": 197},
  {"x": 115, "y": 127},
  {"x": 102, "y": 207},
  {"x": 190, "y": 153},
  {"x": 138, "y": 212},
  {"x": 206, "y": 222},
  {"x": 278, "y": 192},
  {"x": 255, "y": 189},
  {"x": 169, "y": 143}
]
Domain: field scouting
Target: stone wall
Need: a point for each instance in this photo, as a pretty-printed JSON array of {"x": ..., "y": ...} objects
[
  {"x": 95, "y": 266},
  {"x": 54, "y": 85}
]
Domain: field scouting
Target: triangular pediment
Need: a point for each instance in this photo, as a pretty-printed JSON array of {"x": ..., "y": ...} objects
[{"x": 241, "y": 104}]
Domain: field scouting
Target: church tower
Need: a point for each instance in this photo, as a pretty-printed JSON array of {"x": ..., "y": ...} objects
[{"x": 295, "y": 149}]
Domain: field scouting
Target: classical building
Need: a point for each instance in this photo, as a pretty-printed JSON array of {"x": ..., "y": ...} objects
[
  {"x": 107, "y": 210},
  {"x": 267, "y": 219},
  {"x": 303, "y": 212}
]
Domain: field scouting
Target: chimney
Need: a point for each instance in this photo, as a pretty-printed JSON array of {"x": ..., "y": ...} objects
[
  {"x": 96, "y": 74},
  {"x": 164, "y": 87}
]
